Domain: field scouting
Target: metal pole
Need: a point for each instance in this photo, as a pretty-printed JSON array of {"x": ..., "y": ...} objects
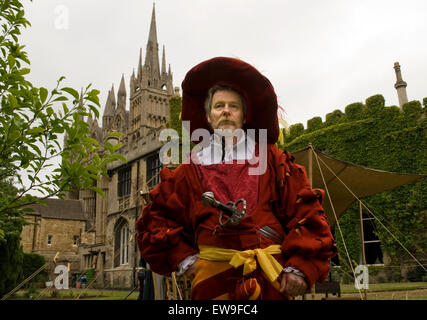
[
  {"x": 362, "y": 238},
  {"x": 310, "y": 178}
]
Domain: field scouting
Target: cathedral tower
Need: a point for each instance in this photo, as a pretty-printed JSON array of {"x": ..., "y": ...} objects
[{"x": 151, "y": 88}]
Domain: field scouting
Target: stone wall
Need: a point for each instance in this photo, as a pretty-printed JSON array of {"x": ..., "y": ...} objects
[{"x": 34, "y": 238}]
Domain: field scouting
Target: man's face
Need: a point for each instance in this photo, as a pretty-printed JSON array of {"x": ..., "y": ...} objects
[{"x": 226, "y": 110}]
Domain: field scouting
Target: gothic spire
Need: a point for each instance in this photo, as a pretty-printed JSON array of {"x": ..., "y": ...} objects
[
  {"x": 113, "y": 98},
  {"x": 121, "y": 95},
  {"x": 122, "y": 88},
  {"x": 152, "y": 52},
  {"x": 153, "y": 30},
  {"x": 108, "y": 110}
]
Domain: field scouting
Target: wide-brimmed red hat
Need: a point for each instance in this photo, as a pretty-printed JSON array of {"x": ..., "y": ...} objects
[{"x": 259, "y": 95}]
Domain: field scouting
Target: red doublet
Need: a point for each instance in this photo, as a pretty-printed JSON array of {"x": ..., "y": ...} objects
[{"x": 175, "y": 222}]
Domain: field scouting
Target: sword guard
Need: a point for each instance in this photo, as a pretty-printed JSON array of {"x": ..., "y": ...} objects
[{"x": 237, "y": 215}]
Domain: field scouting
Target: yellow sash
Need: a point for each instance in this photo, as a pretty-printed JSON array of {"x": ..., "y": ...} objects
[{"x": 271, "y": 267}]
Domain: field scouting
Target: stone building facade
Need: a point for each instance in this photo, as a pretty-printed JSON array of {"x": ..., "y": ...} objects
[
  {"x": 112, "y": 250},
  {"x": 56, "y": 230}
]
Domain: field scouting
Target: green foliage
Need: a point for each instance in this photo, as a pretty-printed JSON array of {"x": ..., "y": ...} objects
[
  {"x": 31, "y": 263},
  {"x": 175, "y": 114},
  {"x": 32, "y": 122},
  {"x": 32, "y": 291},
  {"x": 11, "y": 222},
  {"x": 413, "y": 108},
  {"x": 295, "y": 130},
  {"x": 375, "y": 104},
  {"x": 334, "y": 117},
  {"x": 11, "y": 259},
  {"x": 314, "y": 124},
  {"x": 90, "y": 274},
  {"x": 354, "y": 111},
  {"x": 383, "y": 138},
  {"x": 175, "y": 123},
  {"x": 351, "y": 236},
  {"x": 415, "y": 274},
  {"x": 11, "y": 255}
]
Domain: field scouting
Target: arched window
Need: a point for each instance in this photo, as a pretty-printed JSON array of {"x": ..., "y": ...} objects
[
  {"x": 121, "y": 243},
  {"x": 124, "y": 245}
]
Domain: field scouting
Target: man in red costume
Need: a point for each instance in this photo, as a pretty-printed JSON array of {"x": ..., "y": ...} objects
[{"x": 278, "y": 243}]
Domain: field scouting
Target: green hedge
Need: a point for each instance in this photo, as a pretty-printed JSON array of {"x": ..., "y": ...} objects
[
  {"x": 31, "y": 263},
  {"x": 11, "y": 259},
  {"x": 384, "y": 138}
]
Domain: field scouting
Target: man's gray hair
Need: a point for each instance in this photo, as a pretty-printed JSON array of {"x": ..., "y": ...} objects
[{"x": 211, "y": 92}]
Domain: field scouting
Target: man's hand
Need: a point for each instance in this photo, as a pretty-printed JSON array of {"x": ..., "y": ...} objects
[
  {"x": 189, "y": 273},
  {"x": 292, "y": 284}
]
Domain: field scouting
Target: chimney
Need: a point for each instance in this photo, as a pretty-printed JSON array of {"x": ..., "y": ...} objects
[{"x": 400, "y": 86}]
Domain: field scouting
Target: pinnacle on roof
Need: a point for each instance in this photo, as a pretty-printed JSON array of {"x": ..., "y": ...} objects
[
  {"x": 109, "y": 106},
  {"x": 163, "y": 61},
  {"x": 113, "y": 97},
  {"x": 121, "y": 95},
  {"x": 107, "y": 109},
  {"x": 122, "y": 88}
]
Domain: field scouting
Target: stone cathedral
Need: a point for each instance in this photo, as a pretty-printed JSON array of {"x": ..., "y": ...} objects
[{"x": 110, "y": 237}]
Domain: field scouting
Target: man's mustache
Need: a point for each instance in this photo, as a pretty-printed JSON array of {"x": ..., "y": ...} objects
[{"x": 226, "y": 122}]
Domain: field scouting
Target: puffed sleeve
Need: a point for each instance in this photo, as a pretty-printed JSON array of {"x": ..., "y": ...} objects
[
  {"x": 308, "y": 244},
  {"x": 164, "y": 229}
]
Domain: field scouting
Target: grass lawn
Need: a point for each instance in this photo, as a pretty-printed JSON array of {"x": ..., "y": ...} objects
[
  {"x": 385, "y": 291},
  {"x": 81, "y": 294},
  {"x": 377, "y": 291},
  {"x": 377, "y": 287}
]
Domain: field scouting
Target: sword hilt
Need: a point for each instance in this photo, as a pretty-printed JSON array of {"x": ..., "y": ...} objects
[{"x": 235, "y": 215}]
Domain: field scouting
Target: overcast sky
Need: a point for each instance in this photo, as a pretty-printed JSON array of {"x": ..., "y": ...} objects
[{"x": 319, "y": 55}]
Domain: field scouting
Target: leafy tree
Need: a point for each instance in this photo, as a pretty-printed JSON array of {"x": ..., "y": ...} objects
[
  {"x": 33, "y": 119},
  {"x": 11, "y": 262},
  {"x": 32, "y": 123},
  {"x": 11, "y": 254}
]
